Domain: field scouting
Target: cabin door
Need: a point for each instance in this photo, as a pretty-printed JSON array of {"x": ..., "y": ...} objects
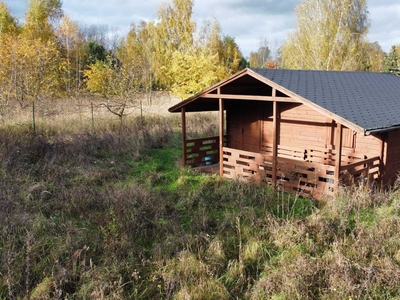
[{"x": 245, "y": 130}]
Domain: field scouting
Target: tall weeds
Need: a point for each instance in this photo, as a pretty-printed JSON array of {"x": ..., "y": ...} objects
[{"x": 110, "y": 214}]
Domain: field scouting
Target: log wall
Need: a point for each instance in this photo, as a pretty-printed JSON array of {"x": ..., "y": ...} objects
[
  {"x": 392, "y": 168},
  {"x": 306, "y": 134}
]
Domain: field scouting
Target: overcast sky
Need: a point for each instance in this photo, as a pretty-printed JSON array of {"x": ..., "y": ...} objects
[{"x": 248, "y": 21}]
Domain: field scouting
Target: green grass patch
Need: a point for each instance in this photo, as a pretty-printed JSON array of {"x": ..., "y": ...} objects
[{"x": 160, "y": 169}]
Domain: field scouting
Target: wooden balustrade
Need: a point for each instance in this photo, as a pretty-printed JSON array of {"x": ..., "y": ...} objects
[
  {"x": 366, "y": 170},
  {"x": 305, "y": 178},
  {"x": 200, "y": 152},
  {"x": 307, "y": 172}
]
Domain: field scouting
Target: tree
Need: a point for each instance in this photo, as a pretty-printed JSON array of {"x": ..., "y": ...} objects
[
  {"x": 92, "y": 53},
  {"x": 117, "y": 83},
  {"x": 262, "y": 56},
  {"x": 193, "y": 72},
  {"x": 8, "y": 30},
  {"x": 392, "y": 63},
  {"x": 29, "y": 70},
  {"x": 71, "y": 40},
  {"x": 101, "y": 34},
  {"x": 211, "y": 40},
  {"x": 375, "y": 58},
  {"x": 8, "y": 24},
  {"x": 175, "y": 30},
  {"x": 41, "y": 17},
  {"x": 231, "y": 58},
  {"x": 140, "y": 46},
  {"x": 175, "y": 26},
  {"x": 330, "y": 35}
]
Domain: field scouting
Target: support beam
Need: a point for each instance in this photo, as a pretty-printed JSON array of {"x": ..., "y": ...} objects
[
  {"x": 221, "y": 136},
  {"x": 251, "y": 97},
  {"x": 183, "y": 114},
  {"x": 338, "y": 158},
  {"x": 275, "y": 141}
]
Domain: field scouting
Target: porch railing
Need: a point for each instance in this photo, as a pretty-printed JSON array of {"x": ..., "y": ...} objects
[
  {"x": 308, "y": 172},
  {"x": 363, "y": 171},
  {"x": 292, "y": 175},
  {"x": 307, "y": 178},
  {"x": 200, "y": 152}
]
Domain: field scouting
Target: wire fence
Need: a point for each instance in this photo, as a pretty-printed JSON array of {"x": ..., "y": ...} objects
[{"x": 82, "y": 112}]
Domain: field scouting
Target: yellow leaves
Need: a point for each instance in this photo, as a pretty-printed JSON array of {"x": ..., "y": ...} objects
[
  {"x": 176, "y": 27},
  {"x": 107, "y": 80},
  {"x": 325, "y": 39},
  {"x": 39, "y": 17},
  {"x": 193, "y": 72},
  {"x": 7, "y": 22},
  {"x": 28, "y": 68},
  {"x": 99, "y": 78}
]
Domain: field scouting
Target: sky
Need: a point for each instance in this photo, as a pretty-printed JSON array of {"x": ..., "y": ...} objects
[{"x": 248, "y": 21}]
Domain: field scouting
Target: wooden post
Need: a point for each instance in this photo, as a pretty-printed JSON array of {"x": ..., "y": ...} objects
[
  {"x": 183, "y": 112},
  {"x": 221, "y": 136},
  {"x": 275, "y": 141},
  {"x": 338, "y": 158},
  {"x": 33, "y": 118},
  {"x": 383, "y": 159}
]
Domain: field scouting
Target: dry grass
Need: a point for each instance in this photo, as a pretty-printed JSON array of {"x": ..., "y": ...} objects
[{"x": 105, "y": 212}]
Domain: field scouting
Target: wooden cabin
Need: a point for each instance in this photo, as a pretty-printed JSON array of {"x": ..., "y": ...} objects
[{"x": 306, "y": 132}]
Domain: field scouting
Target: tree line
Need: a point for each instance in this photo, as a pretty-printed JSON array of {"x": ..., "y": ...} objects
[{"x": 50, "y": 54}]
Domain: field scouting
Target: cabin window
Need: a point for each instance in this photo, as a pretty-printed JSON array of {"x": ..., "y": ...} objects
[{"x": 348, "y": 138}]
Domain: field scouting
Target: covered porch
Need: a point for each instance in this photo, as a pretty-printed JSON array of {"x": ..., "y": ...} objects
[{"x": 268, "y": 135}]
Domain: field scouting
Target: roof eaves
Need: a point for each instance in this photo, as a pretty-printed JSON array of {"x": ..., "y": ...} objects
[
  {"x": 178, "y": 107},
  {"x": 381, "y": 130}
]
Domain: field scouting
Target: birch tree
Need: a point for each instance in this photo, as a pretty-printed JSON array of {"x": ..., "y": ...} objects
[
  {"x": 116, "y": 79},
  {"x": 330, "y": 35},
  {"x": 212, "y": 41},
  {"x": 193, "y": 72},
  {"x": 262, "y": 56},
  {"x": 71, "y": 40},
  {"x": 29, "y": 71},
  {"x": 175, "y": 30},
  {"x": 8, "y": 24},
  {"x": 30, "y": 59},
  {"x": 40, "y": 19},
  {"x": 140, "y": 45}
]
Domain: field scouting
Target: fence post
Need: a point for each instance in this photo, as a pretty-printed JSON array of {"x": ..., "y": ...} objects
[
  {"x": 33, "y": 117},
  {"x": 91, "y": 105}
]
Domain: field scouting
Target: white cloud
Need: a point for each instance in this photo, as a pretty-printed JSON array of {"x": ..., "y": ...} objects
[
  {"x": 385, "y": 23},
  {"x": 246, "y": 21}
]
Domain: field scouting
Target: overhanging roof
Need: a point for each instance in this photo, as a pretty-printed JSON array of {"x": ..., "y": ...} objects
[{"x": 368, "y": 101}]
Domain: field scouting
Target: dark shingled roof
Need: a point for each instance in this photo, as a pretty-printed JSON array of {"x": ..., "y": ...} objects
[{"x": 369, "y": 100}]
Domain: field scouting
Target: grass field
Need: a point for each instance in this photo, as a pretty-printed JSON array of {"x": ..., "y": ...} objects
[{"x": 92, "y": 209}]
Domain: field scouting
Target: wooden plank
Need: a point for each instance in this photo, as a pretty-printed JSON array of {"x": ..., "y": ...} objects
[
  {"x": 338, "y": 147},
  {"x": 202, "y": 151},
  {"x": 250, "y": 97},
  {"x": 308, "y": 179},
  {"x": 276, "y": 132},
  {"x": 371, "y": 161},
  {"x": 221, "y": 133},
  {"x": 184, "y": 149},
  {"x": 307, "y": 164},
  {"x": 212, "y": 139}
]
